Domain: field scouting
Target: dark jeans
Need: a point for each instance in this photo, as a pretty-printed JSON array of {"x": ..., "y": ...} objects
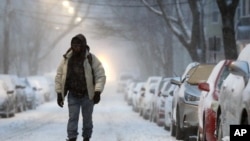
[{"x": 86, "y": 106}]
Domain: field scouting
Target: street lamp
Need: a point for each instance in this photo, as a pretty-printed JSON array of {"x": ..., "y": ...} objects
[
  {"x": 78, "y": 19},
  {"x": 65, "y": 4},
  {"x": 71, "y": 10}
]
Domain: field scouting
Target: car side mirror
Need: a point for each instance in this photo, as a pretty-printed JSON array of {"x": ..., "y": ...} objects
[
  {"x": 175, "y": 82},
  {"x": 240, "y": 68}
]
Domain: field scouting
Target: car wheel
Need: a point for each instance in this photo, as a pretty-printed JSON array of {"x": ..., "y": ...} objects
[
  {"x": 219, "y": 129},
  {"x": 179, "y": 131},
  {"x": 145, "y": 115},
  {"x": 172, "y": 129},
  {"x": 198, "y": 135},
  {"x": 140, "y": 112},
  {"x": 204, "y": 132},
  {"x": 244, "y": 118},
  {"x": 166, "y": 127}
]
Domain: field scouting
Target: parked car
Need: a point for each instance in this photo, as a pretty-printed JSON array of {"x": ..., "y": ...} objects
[
  {"x": 141, "y": 97},
  {"x": 156, "y": 95},
  {"x": 186, "y": 100},
  {"x": 39, "y": 94},
  {"x": 208, "y": 100},
  {"x": 30, "y": 94},
  {"x": 130, "y": 92},
  {"x": 7, "y": 101},
  {"x": 159, "y": 108},
  {"x": 42, "y": 85},
  {"x": 21, "y": 104},
  {"x": 137, "y": 92},
  {"x": 167, "y": 103},
  {"x": 151, "y": 86},
  {"x": 11, "y": 87},
  {"x": 182, "y": 79},
  {"x": 124, "y": 77},
  {"x": 234, "y": 101},
  {"x": 126, "y": 88}
]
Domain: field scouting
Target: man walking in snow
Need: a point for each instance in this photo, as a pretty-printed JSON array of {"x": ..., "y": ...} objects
[{"x": 81, "y": 77}]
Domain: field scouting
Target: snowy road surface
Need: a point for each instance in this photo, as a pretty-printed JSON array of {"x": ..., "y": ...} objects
[{"x": 113, "y": 120}]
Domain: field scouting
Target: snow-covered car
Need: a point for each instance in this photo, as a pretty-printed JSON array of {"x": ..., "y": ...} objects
[
  {"x": 41, "y": 84},
  {"x": 141, "y": 97},
  {"x": 124, "y": 77},
  {"x": 7, "y": 101},
  {"x": 151, "y": 86},
  {"x": 30, "y": 94},
  {"x": 137, "y": 92},
  {"x": 11, "y": 87},
  {"x": 234, "y": 101},
  {"x": 159, "y": 100},
  {"x": 21, "y": 104},
  {"x": 167, "y": 103},
  {"x": 130, "y": 92},
  {"x": 208, "y": 100},
  {"x": 155, "y": 102},
  {"x": 39, "y": 94},
  {"x": 186, "y": 100}
]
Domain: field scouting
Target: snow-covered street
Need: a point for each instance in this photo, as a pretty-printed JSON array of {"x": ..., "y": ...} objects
[{"x": 113, "y": 120}]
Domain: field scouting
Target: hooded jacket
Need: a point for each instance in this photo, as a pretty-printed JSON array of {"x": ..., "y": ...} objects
[{"x": 98, "y": 71}]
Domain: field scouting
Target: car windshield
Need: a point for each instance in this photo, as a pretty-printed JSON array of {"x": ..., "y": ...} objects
[{"x": 199, "y": 74}]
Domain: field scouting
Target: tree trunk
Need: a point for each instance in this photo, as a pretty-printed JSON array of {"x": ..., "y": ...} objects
[{"x": 227, "y": 15}]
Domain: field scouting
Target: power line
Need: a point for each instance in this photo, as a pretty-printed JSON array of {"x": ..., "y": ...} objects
[{"x": 35, "y": 17}]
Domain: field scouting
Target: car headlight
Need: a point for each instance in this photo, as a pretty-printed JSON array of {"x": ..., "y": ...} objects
[{"x": 191, "y": 98}]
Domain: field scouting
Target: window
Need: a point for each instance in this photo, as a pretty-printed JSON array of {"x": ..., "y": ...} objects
[{"x": 245, "y": 8}]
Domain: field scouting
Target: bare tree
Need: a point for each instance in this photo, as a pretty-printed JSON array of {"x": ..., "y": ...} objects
[
  {"x": 30, "y": 28},
  {"x": 151, "y": 39},
  {"x": 191, "y": 37},
  {"x": 227, "y": 10}
]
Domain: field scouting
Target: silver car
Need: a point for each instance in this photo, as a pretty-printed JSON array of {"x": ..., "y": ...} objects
[{"x": 185, "y": 101}]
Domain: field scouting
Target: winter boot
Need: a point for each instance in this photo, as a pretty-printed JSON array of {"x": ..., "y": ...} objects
[
  {"x": 86, "y": 139},
  {"x": 72, "y": 139}
]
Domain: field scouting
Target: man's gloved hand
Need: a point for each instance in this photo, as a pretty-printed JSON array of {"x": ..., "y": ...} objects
[
  {"x": 97, "y": 97},
  {"x": 59, "y": 99}
]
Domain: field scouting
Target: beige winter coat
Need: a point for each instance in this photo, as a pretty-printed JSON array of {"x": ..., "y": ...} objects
[{"x": 100, "y": 78}]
